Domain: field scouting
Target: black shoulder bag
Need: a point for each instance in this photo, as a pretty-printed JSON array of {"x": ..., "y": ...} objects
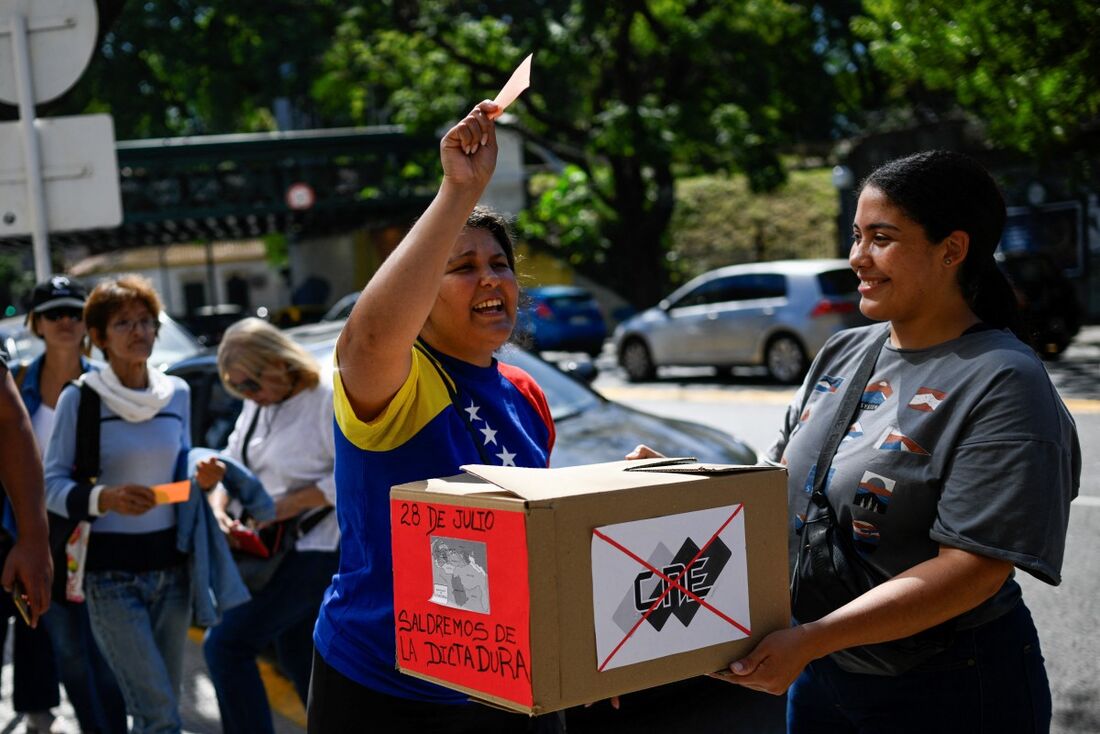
[
  {"x": 829, "y": 572},
  {"x": 85, "y": 471},
  {"x": 279, "y": 538}
]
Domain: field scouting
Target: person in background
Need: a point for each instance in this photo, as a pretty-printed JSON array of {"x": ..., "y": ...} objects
[
  {"x": 429, "y": 321},
  {"x": 56, "y": 316},
  {"x": 28, "y": 560},
  {"x": 137, "y": 580},
  {"x": 284, "y": 435},
  {"x": 963, "y": 468}
]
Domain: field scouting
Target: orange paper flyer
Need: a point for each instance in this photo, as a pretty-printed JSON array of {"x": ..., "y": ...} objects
[{"x": 173, "y": 492}]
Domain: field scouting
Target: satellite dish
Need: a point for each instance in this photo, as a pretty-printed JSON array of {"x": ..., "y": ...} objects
[{"x": 61, "y": 36}]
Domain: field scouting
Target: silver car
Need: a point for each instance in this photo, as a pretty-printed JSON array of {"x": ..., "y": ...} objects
[{"x": 775, "y": 314}]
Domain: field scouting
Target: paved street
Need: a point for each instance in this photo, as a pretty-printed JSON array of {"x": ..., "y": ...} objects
[{"x": 748, "y": 405}]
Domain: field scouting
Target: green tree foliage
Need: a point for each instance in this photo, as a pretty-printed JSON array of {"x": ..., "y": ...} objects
[
  {"x": 1029, "y": 69},
  {"x": 191, "y": 67},
  {"x": 719, "y": 221},
  {"x": 629, "y": 93}
]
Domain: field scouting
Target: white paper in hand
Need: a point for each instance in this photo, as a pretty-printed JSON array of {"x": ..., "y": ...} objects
[{"x": 520, "y": 80}]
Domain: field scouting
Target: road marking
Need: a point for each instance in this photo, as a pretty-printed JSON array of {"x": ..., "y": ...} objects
[
  {"x": 1087, "y": 501},
  {"x": 680, "y": 393},
  {"x": 697, "y": 395},
  {"x": 281, "y": 694}
]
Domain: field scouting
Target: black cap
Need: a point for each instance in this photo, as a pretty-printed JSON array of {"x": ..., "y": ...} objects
[{"x": 56, "y": 292}]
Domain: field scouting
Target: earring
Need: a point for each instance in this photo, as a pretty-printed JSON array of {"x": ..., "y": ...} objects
[{"x": 947, "y": 261}]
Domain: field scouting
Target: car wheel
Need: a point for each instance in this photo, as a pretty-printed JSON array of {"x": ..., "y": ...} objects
[
  {"x": 637, "y": 362},
  {"x": 785, "y": 359}
]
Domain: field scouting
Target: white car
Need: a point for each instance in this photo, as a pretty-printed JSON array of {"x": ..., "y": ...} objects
[
  {"x": 776, "y": 314},
  {"x": 174, "y": 342}
]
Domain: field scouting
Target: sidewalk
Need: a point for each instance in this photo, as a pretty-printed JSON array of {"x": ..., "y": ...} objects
[{"x": 199, "y": 706}]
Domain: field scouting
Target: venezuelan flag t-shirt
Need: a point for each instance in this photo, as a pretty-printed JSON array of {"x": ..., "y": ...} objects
[{"x": 420, "y": 435}]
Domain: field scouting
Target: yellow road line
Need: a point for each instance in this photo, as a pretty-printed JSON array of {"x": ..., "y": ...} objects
[
  {"x": 698, "y": 395},
  {"x": 680, "y": 393},
  {"x": 281, "y": 694}
]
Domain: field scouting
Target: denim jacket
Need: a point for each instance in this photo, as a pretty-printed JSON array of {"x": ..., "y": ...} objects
[
  {"x": 31, "y": 376},
  {"x": 215, "y": 583}
]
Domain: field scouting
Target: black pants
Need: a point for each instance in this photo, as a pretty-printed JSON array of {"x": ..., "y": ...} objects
[
  {"x": 35, "y": 678},
  {"x": 338, "y": 705}
]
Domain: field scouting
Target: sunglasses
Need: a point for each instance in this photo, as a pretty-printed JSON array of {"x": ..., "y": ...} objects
[
  {"x": 246, "y": 386},
  {"x": 56, "y": 314}
]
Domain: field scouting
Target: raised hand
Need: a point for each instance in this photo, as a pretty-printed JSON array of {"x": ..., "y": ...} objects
[{"x": 469, "y": 149}]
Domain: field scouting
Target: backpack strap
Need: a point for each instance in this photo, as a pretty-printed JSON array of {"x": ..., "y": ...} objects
[{"x": 86, "y": 466}]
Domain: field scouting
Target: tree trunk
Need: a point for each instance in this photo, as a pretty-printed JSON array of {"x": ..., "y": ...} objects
[{"x": 636, "y": 260}]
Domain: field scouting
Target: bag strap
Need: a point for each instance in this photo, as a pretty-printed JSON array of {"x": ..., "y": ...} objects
[
  {"x": 86, "y": 466},
  {"x": 452, "y": 391},
  {"x": 844, "y": 414},
  {"x": 248, "y": 436},
  {"x": 843, "y": 419}
]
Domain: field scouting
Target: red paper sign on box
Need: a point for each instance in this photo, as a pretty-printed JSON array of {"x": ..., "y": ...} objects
[{"x": 461, "y": 601}]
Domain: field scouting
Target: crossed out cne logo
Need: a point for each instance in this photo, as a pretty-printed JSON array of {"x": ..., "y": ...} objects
[
  {"x": 669, "y": 584},
  {"x": 691, "y": 583}
]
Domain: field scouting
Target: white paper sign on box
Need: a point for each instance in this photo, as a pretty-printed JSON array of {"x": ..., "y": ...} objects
[{"x": 669, "y": 584}]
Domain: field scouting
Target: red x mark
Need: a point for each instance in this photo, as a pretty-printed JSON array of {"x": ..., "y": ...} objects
[{"x": 671, "y": 582}]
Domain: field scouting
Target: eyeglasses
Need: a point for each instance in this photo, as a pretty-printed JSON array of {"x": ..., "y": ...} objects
[
  {"x": 247, "y": 386},
  {"x": 56, "y": 314},
  {"x": 125, "y": 326}
]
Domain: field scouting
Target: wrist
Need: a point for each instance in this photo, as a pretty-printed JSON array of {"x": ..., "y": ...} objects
[{"x": 95, "y": 501}]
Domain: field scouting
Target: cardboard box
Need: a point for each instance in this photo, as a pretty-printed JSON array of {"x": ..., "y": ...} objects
[{"x": 540, "y": 589}]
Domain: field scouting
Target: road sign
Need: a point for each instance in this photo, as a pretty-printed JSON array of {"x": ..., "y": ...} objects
[
  {"x": 79, "y": 175},
  {"x": 300, "y": 196},
  {"x": 61, "y": 36}
]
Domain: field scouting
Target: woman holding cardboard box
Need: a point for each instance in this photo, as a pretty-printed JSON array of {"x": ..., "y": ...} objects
[
  {"x": 136, "y": 579},
  {"x": 418, "y": 393},
  {"x": 951, "y": 462}
]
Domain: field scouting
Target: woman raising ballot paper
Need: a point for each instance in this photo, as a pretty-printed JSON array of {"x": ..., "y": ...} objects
[{"x": 418, "y": 393}]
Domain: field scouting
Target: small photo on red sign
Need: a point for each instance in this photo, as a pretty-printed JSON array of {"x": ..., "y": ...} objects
[{"x": 460, "y": 578}]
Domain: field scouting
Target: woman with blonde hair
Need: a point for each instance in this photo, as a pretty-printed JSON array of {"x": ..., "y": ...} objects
[{"x": 284, "y": 435}]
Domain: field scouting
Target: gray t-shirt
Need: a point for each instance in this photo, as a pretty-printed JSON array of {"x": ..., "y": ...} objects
[{"x": 964, "y": 444}]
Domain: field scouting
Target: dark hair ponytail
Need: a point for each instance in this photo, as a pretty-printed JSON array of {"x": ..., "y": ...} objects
[{"x": 943, "y": 191}]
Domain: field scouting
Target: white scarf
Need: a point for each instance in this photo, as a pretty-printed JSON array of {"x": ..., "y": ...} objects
[{"x": 133, "y": 406}]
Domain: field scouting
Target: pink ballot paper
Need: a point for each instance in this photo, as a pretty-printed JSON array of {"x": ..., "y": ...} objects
[
  {"x": 521, "y": 79},
  {"x": 174, "y": 492}
]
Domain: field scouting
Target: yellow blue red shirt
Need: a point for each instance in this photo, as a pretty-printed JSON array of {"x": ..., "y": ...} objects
[{"x": 421, "y": 434}]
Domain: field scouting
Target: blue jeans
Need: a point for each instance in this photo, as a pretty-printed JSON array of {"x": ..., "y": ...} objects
[
  {"x": 88, "y": 680},
  {"x": 140, "y": 621},
  {"x": 991, "y": 679},
  {"x": 284, "y": 612}
]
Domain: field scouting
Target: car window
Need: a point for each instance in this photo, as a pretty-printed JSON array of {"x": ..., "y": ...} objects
[
  {"x": 840, "y": 282},
  {"x": 570, "y": 299},
  {"x": 565, "y": 395},
  {"x": 753, "y": 286},
  {"x": 713, "y": 291},
  {"x": 746, "y": 287}
]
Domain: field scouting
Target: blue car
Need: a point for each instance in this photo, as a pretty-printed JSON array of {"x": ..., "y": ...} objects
[{"x": 560, "y": 318}]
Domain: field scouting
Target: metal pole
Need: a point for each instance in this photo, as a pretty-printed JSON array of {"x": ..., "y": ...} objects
[{"x": 36, "y": 197}]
